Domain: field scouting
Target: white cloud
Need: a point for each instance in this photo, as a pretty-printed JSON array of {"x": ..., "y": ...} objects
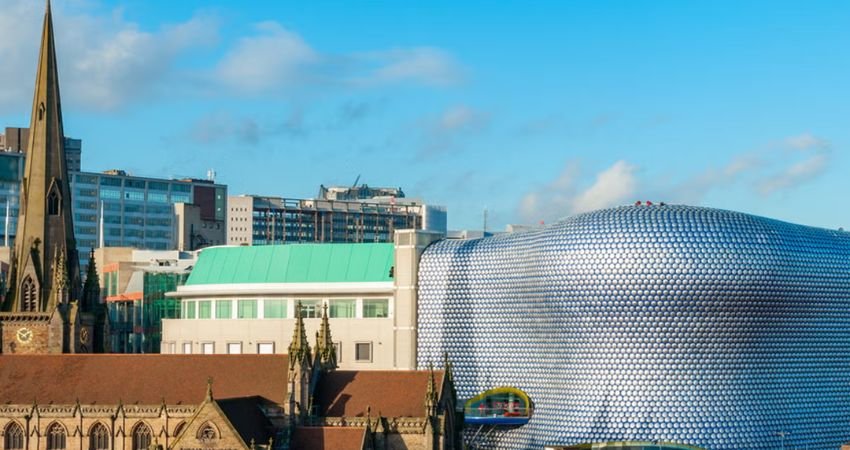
[
  {"x": 444, "y": 131},
  {"x": 426, "y": 65},
  {"x": 806, "y": 141},
  {"x": 273, "y": 59},
  {"x": 615, "y": 185},
  {"x": 795, "y": 174},
  {"x": 792, "y": 162},
  {"x": 107, "y": 61},
  {"x": 104, "y": 60}
]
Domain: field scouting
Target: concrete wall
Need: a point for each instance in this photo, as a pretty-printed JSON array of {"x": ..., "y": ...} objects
[
  {"x": 251, "y": 332},
  {"x": 239, "y": 220}
]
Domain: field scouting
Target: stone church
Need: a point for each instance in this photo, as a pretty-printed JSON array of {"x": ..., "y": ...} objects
[
  {"x": 226, "y": 402},
  {"x": 45, "y": 309}
]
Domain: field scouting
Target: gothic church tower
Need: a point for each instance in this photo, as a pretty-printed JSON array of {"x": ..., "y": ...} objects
[
  {"x": 45, "y": 223},
  {"x": 44, "y": 310}
]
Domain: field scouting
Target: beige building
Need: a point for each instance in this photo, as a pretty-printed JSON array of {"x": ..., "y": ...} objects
[{"x": 244, "y": 300}]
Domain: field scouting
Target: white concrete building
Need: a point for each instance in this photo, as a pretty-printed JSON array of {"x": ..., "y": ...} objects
[{"x": 242, "y": 300}]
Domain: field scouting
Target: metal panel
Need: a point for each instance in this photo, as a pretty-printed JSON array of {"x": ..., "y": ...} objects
[{"x": 652, "y": 323}]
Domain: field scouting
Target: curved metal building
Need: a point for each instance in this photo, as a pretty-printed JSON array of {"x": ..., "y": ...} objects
[{"x": 672, "y": 323}]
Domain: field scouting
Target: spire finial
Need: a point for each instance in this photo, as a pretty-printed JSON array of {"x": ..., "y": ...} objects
[
  {"x": 209, "y": 395},
  {"x": 299, "y": 348}
]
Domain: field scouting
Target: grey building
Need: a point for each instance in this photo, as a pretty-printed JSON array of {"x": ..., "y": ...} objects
[
  {"x": 136, "y": 211},
  {"x": 257, "y": 220}
]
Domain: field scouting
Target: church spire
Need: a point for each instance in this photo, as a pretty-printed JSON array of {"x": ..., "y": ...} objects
[
  {"x": 299, "y": 348},
  {"x": 45, "y": 224},
  {"x": 325, "y": 351}
]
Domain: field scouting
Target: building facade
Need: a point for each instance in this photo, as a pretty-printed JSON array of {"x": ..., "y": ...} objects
[
  {"x": 245, "y": 300},
  {"x": 134, "y": 284},
  {"x": 116, "y": 209},
  {"x": 254, "y": 220},
  {"x": 676, "y": 324}
]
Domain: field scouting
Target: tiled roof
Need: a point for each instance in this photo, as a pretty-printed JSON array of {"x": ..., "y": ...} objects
[
  {"x": 328, "y": 438},
  {"x": 389, "y": 393},
  {"x": 143, "y": 379},
  {"x": 294, "y": 263}
]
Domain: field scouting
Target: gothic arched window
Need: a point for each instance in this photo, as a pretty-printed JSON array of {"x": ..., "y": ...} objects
[
  {"x": 179, "y": 428},
  {"x": 13, "y": 437},
  {"x": 53, "y": 203},
  {"x": 28, "y": 295},
  {"x": 98, "y": 437},
  {"x": 55, "y": 437},
  {"x": 141, "y": 437},
  {"x": 207, "y": 433}
]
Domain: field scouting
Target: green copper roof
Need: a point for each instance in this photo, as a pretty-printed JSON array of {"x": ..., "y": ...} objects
[{"x": 294, "y": 263}]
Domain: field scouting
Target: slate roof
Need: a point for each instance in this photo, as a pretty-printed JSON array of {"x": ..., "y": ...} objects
[
  {"x": 348, "y": 393},
  {"x": 294, "y": 263},
  {"x": 247, "y": 418},
  {"x": 143, "y": 379}
]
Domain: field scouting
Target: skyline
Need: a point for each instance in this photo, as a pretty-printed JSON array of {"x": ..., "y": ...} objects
[{"x": 676, "y": 103}]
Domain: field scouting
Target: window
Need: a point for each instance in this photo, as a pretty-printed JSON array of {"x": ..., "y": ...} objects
[
  {"x": 376, "y": 308},
  {"x": 310, "y": 309},
  {"x": 53, "y": 203},
  {"x": 247, "y": 309},
  {"x": 172, "y": 347},
  {"x": 141, "y": 437},
  {"x": 180, "y": 198},
  {"x": 98, "y": 437},
  {"x": 207, "y": 434},
  {"x": 208, "y": 348},
  {"x": 265, "y": 348},
  {"x": 135, "y": 184},
  {"x": 114, "y": 194},
  {"x": 340, "y": 308},
  {"x": 85, "y": 179},
  {"x": 223, "y": 309},
  {"x": 157, "y": 197},
  {"x": 30, "y": 295},
  {"x": 157, "y": 186},
  {"x": 274, "y": 308},
  {"x": 14, "y": 437},
  {"x": 363, "y": 352},
  {"x": 179, "y": 428},
  {"x": 234, "y": 348},
  {"x": 55, "y": 437},
  {"x": 187, "y": 348},
  {"x": 106, "y": 181},
  {"x": 338, "y": 351},
  {"x": 204, "y": 309},
  {"x": 135, "y": 195},
  {"x": 190, "y": 310}
]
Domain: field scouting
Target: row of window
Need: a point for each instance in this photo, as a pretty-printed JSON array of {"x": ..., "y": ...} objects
[
  {"x": 98, "y": 436},
  {"x": 362, "y": 350},
  {"x": 132, "y": 183},
  {"x": 278, "y": 308}
]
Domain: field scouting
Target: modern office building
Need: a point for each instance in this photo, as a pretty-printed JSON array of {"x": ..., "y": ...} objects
[
  {"x": 133, "y": 285},
  {"x": 357, "y": 193},
  {"x": 14, "y": 140},
  {"x": 673, "y": 324},
  {"x": 255, "y": 220},
  {"x": 136, "y": 211},
  {"x": 243, "y": 300}
]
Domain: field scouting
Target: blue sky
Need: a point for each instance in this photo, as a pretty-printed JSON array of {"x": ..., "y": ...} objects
[{"x": 533, "y": 111}]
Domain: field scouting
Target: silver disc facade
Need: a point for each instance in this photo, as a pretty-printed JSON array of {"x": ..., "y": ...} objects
[{"x": 673, "y": 323}]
